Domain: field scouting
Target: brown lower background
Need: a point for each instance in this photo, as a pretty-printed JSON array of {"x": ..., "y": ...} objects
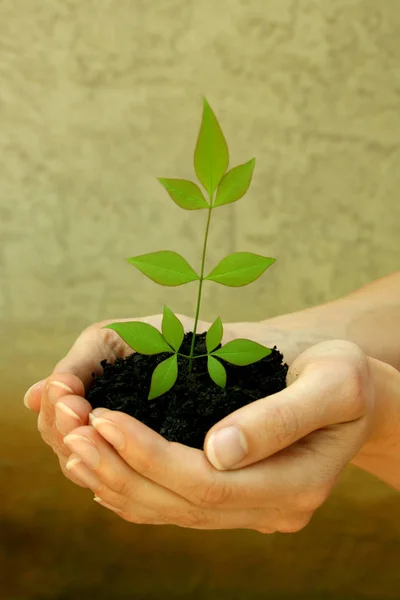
[{"x": 97, "y": 99}]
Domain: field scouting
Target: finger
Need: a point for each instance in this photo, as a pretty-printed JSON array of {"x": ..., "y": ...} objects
[
  {"x": 120, "y": 487},
  {"x": 140, "y": 500},
  {"x": 33, "y": 396},
  {"x": 111, "y": 470},
  {"x": 81, "y": 475},
  {"x": 186, "y": 471},
  {"x": 59, "y": 386},
  {"x": 330, "y": 386},
  {"x": 71, "y": 412}
]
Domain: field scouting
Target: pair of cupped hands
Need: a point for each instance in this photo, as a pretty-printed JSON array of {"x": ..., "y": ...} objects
[{"x": 267, "y": 467}]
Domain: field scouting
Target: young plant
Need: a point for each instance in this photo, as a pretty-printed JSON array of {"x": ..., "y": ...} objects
[{"x": 211, "y": 159}]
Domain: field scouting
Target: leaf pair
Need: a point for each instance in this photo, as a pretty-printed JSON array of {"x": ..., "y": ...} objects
[
  {"x": 238, "y": 352},
  {"x": 233, "y": 186},
  {"x": 171, "y": 269},
  {"x": 146, "y": 339}
]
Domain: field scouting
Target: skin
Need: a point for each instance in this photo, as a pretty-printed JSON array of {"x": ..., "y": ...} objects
[{"x": 340, "y": 406}]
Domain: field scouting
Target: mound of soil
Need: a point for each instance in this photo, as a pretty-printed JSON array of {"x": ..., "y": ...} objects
[{"x": 195, "y": 403}]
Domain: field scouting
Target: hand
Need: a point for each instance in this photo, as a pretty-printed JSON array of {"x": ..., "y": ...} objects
[
  {"x": 60, "y": 400},
  {"x": 298, "y": 442}
]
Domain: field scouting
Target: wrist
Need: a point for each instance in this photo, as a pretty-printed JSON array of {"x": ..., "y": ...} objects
[
  {"x": 385, "y": 424},
  {"x": 380, "y": 455}
]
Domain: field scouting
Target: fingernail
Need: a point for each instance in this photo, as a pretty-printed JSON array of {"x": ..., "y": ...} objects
[
  {"x": 83, "y": 473},
  {"x": 226, "y": 448},
  {"x": 84, "y": 448},
  {"x": 71, "y": 464},
  {"x": 56, "y": 390},
  {"x": 66, "y": 418},
  {"x": 109, "y": 431},
  {"x": 98, "y": 411},
  {"x": 28, "y": 393},
  {"x": 105, "y": 504}
]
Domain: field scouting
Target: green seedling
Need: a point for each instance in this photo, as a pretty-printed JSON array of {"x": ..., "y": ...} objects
[{"x": 211, "y": 159}]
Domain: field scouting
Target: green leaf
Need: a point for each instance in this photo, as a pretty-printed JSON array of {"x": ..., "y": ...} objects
[
  {"x": 172, "y": 329},
  {"x": 234, "y": 184},
  {"x": 184, "y": 193},
  {"x": 240, "y": 268},
  {"x": 142, "y": 337},
  {"x": 164, "y": 377},
  {"x": 214, "y": 335},
  {"x": 211, "y": 156},
  {"x": 242, "y": 352},
  {"x": 217, "y": 371},
  {"x": 165, "y": 267}
]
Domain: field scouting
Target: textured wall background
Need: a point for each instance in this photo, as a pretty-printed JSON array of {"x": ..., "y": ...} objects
[{"x": 97, "y": 99}]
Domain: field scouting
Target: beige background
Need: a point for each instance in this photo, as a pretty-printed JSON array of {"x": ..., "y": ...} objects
[{"x": 97, "y": 99}]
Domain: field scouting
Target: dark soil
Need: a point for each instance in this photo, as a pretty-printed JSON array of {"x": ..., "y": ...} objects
[{"x": 195, "y": 403}]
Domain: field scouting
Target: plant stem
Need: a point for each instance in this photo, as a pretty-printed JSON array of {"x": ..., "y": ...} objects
[
  {"x": 193, "y": 357},
  {"x": 203, "y": 261}
]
